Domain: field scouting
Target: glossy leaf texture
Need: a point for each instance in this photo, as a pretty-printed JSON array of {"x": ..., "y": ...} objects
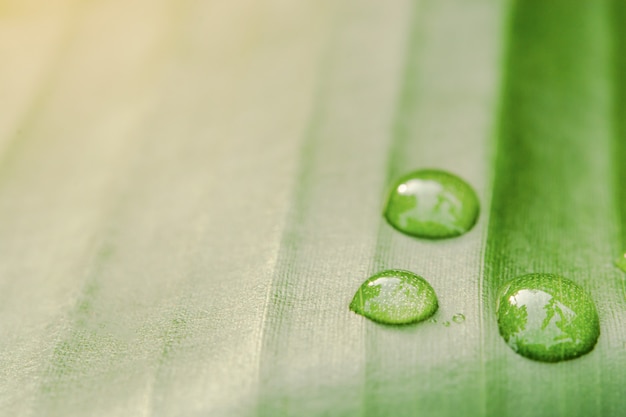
[{"x": 192, "y": 192}]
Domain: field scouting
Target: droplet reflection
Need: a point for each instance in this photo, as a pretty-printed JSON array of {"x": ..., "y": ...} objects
[
  {"x": 432, "y": 204},
  {"x": 395, "y": 297},
  {"x": 547, "y": 318}
]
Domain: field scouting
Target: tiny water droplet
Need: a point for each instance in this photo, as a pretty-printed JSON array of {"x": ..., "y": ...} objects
[
  {"x": 433, "y": 320},
  {"x": 547, "y": 318},
  {"x": 446, "y": 323},
  {"x": 432, "y": 204},
  {"x": 458, "y": 318},
  {"x": 621, "y": 262},
  {"x": 395, "y": 297}
]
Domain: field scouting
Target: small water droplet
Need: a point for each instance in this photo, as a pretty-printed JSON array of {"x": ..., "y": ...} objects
[
  {"x": 395, "y": 297},
  {"x": 446, "y": 324},
  {"x": 458, "y": 318},
  {"x": 621, "y": 262},
  {"x": 433, "y": 320},
  {"x": 547, "y": 318},
  {"x": 432, "y": 204}
]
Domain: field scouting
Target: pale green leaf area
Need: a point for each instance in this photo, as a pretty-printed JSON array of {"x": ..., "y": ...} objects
[{"x": 191, "y": 193}]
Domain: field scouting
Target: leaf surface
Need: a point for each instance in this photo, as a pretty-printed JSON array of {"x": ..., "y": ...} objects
[{"x": 192, "y": 192}]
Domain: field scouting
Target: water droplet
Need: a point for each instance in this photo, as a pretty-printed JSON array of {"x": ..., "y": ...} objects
[
  {"x": 446, "y": 324},
  {"x": 621, "y": 262},
  {"x": 432, "y": 204},
  {"x": 395, "y": 297},
  {"x": 547, "y": 318},
  {"x": 458, "y": 318}
]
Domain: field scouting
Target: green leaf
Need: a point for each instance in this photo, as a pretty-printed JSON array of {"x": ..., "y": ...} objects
[{"x": 191, "y": 193}]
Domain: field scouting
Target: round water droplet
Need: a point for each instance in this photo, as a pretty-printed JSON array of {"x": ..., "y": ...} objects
[
  {"x": 446, "y": 324},
  {"x": 395, "y": 297},
  {"x": 547, "y": 318},
  {"x": 432, "y": 204},
  {"x": 458, "y": 318}
]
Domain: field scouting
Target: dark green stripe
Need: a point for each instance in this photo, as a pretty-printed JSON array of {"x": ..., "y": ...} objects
[
  {"x": 397, "y": 159},
  {"x": 398, "y": 155},
  {"x": 619, "y": 52},
  {"x": 376, "y": 397},
  {"x": 270, "y": 402},
  {"x": 552, "y": 204}
]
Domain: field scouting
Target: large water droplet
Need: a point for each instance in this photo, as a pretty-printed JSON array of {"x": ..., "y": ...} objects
[
  {"x": 432, "y": 204},
  {"x": 395, "y": 297},
  {"x": 547, "y": 318}
]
